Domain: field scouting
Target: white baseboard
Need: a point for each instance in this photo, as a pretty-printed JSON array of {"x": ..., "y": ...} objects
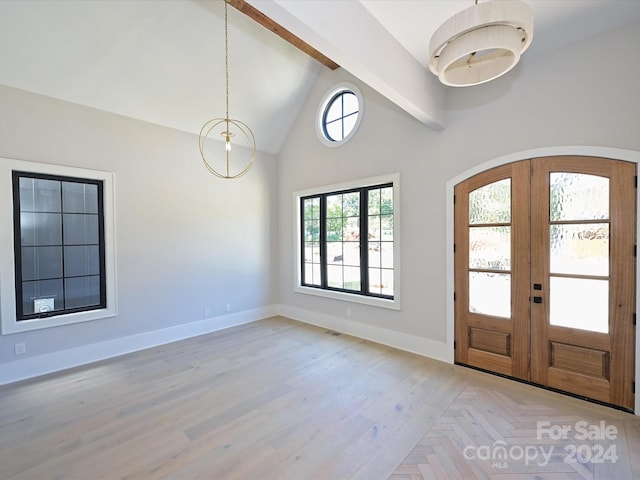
[
  {"x": 35, "y": 366},
  {"x": 53, "y": 362},
  {"x": 402, "y": 341}
]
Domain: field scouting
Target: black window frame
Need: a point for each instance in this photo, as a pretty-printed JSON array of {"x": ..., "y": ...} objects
[
  {"x": 339, "y": 96},
  {"x": 102, "y": 304},
  {"x": 364, "y": 241}
]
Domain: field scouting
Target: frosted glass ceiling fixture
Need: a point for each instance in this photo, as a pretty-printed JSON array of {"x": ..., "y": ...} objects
[
  {"x": 230, "y": 128},
  {"x": 481, "y": 43}
]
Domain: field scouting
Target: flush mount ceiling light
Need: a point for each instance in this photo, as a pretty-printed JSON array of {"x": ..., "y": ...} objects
[
  {"x": 230, "y": 129},
  {"x": 481, "y": 43}
]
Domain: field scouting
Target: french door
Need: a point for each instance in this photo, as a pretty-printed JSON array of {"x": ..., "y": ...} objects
[{"x": 545, "y": 274}]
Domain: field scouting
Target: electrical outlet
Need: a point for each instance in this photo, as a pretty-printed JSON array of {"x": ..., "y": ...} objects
[
  {"x": 20, "y": 348},
  {"x": 227, "y": 307},
  {"x": 207, "y": 312}
]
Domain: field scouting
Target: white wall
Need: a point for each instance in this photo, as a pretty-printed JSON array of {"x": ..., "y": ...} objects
[
  {"x": 185, "y": 240},
  {"x": 580, "y": 95}
]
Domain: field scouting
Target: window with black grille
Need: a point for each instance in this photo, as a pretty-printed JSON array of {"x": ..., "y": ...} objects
[
  {"x": 59, "y": 245},
  {"x": 347, "y": 241}
]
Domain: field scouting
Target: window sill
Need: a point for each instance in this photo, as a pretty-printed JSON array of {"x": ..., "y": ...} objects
[
  {"x": 350, "y": 297},
  {"x": 9, "y": 327}
]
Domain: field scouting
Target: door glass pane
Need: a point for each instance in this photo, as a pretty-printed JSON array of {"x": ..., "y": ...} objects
[
  {"x": 490, "y": 293},
  {"x": 490, "y": 248},
  {"x": 579, "y": 303},
  {"x": 576, "y": 196},
  {"x": 491, "y": 203},
  {"x": 580, "y": 249}
]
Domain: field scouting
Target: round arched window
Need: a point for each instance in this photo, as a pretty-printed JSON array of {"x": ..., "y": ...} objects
[{"x": 339, "y": 114}]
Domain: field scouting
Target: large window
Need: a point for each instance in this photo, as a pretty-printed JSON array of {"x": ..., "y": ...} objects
[
  {"x": 57, "y": 245},
  {"x": 347, "y": 241}
]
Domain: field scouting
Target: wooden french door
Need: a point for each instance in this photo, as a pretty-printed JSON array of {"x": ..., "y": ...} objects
[{"x": 545, "y": 274}]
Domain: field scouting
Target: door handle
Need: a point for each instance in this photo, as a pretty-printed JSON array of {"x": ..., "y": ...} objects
[{"x": 537, "y": 299}]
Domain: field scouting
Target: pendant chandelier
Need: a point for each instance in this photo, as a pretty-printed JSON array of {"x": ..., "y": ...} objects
[
  {"x": 481, "y": 43},
  {"x": 228, "y": 129}
]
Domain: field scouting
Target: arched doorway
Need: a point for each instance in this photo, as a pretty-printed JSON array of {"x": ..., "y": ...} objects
[{"x": 544, "y": 269}]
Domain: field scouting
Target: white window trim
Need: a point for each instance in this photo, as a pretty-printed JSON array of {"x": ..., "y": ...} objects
[
  {"x": 394, "y": 304},
  {"x": 341, "y": 87},
  {"x": 7, "y": 258}
]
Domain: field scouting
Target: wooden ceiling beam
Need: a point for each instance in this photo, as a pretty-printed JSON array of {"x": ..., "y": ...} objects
[{"x": 260, "y": 18}]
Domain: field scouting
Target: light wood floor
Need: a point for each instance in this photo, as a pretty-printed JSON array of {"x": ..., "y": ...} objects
[{"x": 277, "y": 399}]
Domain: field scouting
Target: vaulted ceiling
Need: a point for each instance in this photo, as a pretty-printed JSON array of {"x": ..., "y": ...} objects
[{"x": 163, "y": 61}]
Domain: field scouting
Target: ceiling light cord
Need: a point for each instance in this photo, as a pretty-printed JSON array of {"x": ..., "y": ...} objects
[
  {"x": 232, "y": 128},
  {"x": 226, "y": 58}
]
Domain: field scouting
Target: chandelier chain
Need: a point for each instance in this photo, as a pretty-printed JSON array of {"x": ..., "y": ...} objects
[
  {"x": 240, "y": 128},
  {"x": 226, "y": 59}
]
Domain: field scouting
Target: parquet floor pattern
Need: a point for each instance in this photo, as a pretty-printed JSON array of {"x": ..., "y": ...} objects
[
  {"x": 279, "y": 399},
  {"x": 510, "y": 434}
]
